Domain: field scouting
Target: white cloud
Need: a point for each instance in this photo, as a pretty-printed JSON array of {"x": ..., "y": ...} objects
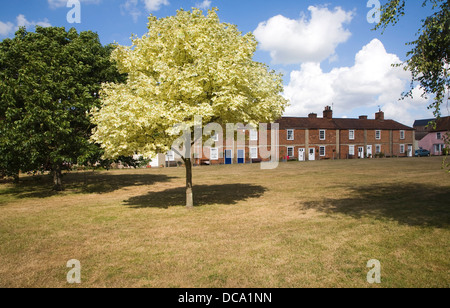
[
  {"x": 135, "y": 7},
  {"x": 6, "y": 28},
  {"x": 369, "y": 83},
  {"x": 304, "y": 40},
  {"x": 408, "y": 110},
  {"x": 155, "y": 5},
  {"x": 21, "y": 21},
  {"x": 206, "y": 4},
  {"x": 54, "y": 4},
  {"x": 131, "y": 7}
]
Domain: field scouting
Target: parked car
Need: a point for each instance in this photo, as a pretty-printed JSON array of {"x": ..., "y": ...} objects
[{"x": 422, "y": 152}]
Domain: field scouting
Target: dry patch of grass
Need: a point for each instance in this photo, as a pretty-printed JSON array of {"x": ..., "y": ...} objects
[{"x": 301, "y": 225}]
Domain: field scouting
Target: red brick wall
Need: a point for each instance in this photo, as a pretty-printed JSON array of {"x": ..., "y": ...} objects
[
  {"x": 408, "y": 140},
  {"x": 299, "y": 137},
  {"x": 331, "y": 151},
  {"x": 345, "y": 142}
]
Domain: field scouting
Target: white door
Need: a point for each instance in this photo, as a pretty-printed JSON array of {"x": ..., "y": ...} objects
[
  {"x": 155, "y": 162},
  {"x": 360, "y": 152},
  {"x": 312, "y": 154},
  {"x": 410, "y": 151},
  {"x": 301, "y": 154},
  {"x": 369, "y": 151}
]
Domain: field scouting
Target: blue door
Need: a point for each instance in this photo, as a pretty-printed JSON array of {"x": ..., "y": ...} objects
[
  {"x": 241, "y": 156},
  {"x": 228, "y": 157}
]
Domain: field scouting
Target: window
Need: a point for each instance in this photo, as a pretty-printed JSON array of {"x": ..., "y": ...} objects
[
  {"x": 290, "y": 134},
  {"x": 254, "y": 153},
  {"x": 351, "y": 135},
  {"x": 322, "y": 151},
  {"x": 253, "y": 135},
  {"x": 377, "y": 149},
  {"x": 438, "y": 136},
  {"x": 402, "y": 149},
  {"x": 378, "y": 134},
  {"x": 215, "y": 137},
  {"x": 351, "y": 150},
  {"x": 438, "y": 148},
  {"x": 214, "y": 154},
  {"x": 402, "y": 135},
  {"x": 322, "y": 134},
  {"x": 290, "y": 152},
  {"x": 170, "y": 156}
]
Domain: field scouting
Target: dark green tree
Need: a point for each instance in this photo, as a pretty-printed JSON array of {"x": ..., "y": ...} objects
[
  {"x": 49, "y": 82},
  {"x": 428, "y": 60}
]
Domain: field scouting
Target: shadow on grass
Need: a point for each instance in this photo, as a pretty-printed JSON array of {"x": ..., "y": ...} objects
[
  {"x": 227, "y": 194},
  {"x": 82, "y": 183},
  {"x": 409, "y": 204}
]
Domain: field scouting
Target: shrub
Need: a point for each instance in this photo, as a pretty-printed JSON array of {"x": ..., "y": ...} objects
[
  {"x": 446, "y": 151},
  {"x": 380, "y": 155}
]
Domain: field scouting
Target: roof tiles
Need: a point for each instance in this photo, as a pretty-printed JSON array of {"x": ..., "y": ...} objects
[{"x": 321, "y": 123}]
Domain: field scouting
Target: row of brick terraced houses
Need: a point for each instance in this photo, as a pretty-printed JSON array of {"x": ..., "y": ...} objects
[
  {"x": 329, "y": 138},
  {"x": 316, "y": 138}
]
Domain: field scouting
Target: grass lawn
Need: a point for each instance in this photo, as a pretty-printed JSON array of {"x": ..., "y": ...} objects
[{"x": 311, "y": 224}]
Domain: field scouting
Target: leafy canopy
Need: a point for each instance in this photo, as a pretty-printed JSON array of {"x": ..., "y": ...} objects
[
  {"x": 429, "y": 59},
  {"x": 49, "y": 81},
  {"x": 185, "y": 66}
]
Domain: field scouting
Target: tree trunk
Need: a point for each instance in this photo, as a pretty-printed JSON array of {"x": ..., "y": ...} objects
[
  {"x": 189, "y": 192},
  {"x": 57, "y": 175},
  {"x": 16, "y": 177}
]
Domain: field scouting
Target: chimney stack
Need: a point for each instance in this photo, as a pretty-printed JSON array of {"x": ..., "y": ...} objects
[
  {"x": 328, "y": 113},
  {"x": 379, "y": 115},
  {"x": 312, "y": 116},
  {"x": 363, "y": 117}
]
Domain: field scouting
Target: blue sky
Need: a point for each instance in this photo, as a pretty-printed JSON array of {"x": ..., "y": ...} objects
[{"x": 326, "y": 49}]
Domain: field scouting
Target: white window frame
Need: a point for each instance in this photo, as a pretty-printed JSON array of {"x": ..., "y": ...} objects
[
  {"x": 215, "y": 137},
  {"x": 351, "y": 150},
  {"x": 170, "y": 156},
  {"x": 293, "y": 151},
  {"x": 402, "y": 149},
  {"x": 438, "y": 136},
  {"x": 253, "y": 135},
  {"x": 292, "y": 138},
  {"x": 378, "y": 149},
  {"x": 254, "y": 153},
  {"x": 324, "y": 134},
  {"x": 324, "y": 151},
  {"x": 216, "y": 155},
  {"x": 378, "y": 134},
  {"x": 402, "y": 135},
  {"x": 351, "y": 134}
]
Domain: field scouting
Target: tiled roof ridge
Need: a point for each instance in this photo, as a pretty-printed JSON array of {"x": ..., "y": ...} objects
[{"x": 341, "y": 123}]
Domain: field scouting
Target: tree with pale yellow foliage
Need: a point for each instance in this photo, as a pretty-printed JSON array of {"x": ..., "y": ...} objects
[{"x": 185, "y": 66}]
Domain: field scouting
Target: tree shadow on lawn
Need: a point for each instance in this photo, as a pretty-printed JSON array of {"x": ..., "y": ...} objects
[
  {"x": 409, "y": 204},
  {"x": 83, "y": 183},
  {"x": 227, "y": 194}
]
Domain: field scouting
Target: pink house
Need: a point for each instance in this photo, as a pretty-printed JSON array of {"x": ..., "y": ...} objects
[{"x": 435, "y": 140}]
